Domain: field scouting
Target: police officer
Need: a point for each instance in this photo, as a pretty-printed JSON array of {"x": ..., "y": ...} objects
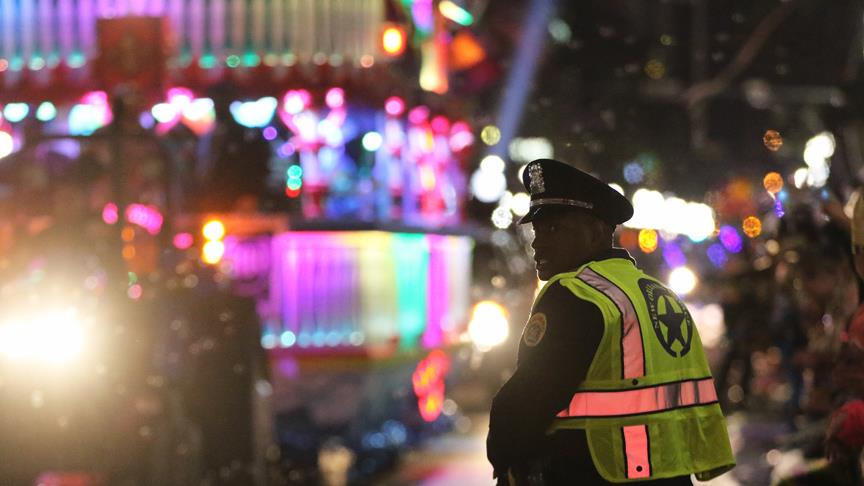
[{"x": 611, "y": 384}]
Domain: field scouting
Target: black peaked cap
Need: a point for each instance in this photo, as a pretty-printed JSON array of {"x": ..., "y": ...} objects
[{"x": 554, "y": 183}]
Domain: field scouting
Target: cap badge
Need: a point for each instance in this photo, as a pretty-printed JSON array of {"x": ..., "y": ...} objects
[{"x": 535, "y": 174}]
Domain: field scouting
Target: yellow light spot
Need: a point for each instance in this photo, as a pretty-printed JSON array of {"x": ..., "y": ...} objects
[
  {"x": 128, "y": 234},
  {"x": 128, "y": 252},
  {"x": 655, "y": 69},
  {"x": 427, "y": 178},
  {"x": 772, "y": 140},
  {"x": 212, "y": 252},
  {"x": 213, "y": 230},
  {"x": 752, "y": 226},
  {"x": 393, "y": 40},
  {"x": 647, "y": 240},
  {"x": 773, "y": 182},
  {"x": 490, "y": 135}
]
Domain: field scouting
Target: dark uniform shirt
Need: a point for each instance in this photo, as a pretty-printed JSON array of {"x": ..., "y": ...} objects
[{"x": 546, "y": 377}]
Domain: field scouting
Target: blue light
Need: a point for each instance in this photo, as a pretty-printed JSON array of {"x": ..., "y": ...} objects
[
  {"x": 268, "y": 341},
  {"x": 85, "y": 119},
  {"x": 295, "y": 172},
  {"x": 15, "y": 112},
  {"x": 46, "y": 112},
  {"x": 633, "y": 173},
  {"x": 319, "y": 338},
  {"x": 254, "y": 114},
  {"x": 288, "y": 339},
  {"x": 333, "y": 338},
  {"x": 717, "y": 255},
  {"x": 304, "y": 339}
]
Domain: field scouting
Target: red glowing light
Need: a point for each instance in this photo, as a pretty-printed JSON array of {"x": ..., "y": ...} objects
[
  {"x": 440, "y": 124},
  {"x": 292, "y": 192},
  {"x": 428, "y": 383}
]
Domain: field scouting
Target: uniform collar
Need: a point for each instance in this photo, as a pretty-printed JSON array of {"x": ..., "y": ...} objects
[{"x": 615, "y": 252}]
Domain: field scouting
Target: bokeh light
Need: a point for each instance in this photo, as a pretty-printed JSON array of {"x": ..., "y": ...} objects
[
  {"x": 490, "y": 135},
  {"x": 212, "y": 252},
  {"x": 682, "y": 280},
  {"x": 213, "y": 230},
  {"x": 730, "y": 239},
  {"x": 7, "y": 144},
  {"x": 752, "y": 226},
  {"x": 772, "y": 140},
  {"x": 647, "y": 240},
  {"x": 773, "y": 182}
]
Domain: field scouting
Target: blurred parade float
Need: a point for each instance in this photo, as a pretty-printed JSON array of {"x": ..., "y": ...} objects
[{"x": 197, "y": 153}]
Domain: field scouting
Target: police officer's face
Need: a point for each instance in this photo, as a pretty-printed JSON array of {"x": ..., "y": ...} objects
[{"x": 563, "y": 240}]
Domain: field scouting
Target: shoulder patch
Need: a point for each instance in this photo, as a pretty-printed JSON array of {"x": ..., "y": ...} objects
[{"x": 534, "y": 330}]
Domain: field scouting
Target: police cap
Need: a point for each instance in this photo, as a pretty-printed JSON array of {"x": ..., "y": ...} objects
[{"x": 554, "y": 183}]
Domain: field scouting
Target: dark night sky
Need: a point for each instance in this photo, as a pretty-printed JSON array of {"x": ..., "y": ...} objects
[{"x": 591, "y": 93}]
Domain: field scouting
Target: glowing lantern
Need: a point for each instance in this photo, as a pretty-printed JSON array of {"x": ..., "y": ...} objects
[
  {"x": 752, "y": 226},
  {"x": 647, "y": 240},
  {"x": 393, "y": 40},
  {"x": 772, "y": 140},
  {"x": 213, "y": 230},
  {"x": 773, "y": 182}
]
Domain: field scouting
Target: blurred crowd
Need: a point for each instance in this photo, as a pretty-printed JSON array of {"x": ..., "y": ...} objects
[{"x": 794, "y": 315}]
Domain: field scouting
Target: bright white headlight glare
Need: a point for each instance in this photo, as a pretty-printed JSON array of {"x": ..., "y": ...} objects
[
  {"x": 53, "y": 337},
  {"x": 489, "y": 325}
]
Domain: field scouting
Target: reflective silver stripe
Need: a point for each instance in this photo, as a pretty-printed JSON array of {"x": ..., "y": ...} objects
[
  {"x": 632, "y": 351},
  {"x": 561, "y": 201},
  {"x": 652, "y": 399}
]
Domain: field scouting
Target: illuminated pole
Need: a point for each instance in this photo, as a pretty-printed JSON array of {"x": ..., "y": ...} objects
[{"x": 522, "y": 73}]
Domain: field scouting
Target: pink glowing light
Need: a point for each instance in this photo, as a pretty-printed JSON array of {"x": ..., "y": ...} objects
[
  {"x": 99, "y": 100},
  {"x": 418, "y": 115},
  {"x": 335, "y": 97},
  {"x": 109, "y": 213},
  {"x": 394, "y": 106},
  {"x": 183, "y": 241},
  {"x": 147, "y": 217},
  {"x": 460, "y": 136},
  {"x": 180, "y": 97},
  {"x": 440, "y": 124}
]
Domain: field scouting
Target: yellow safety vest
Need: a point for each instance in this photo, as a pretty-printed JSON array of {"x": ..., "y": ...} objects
[{"x": 648, "y": 403}]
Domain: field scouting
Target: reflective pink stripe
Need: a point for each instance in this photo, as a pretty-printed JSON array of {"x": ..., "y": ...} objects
[
  {"x": 633, "y": 356},
  {"x": 641, "y": 400},
  {"x": 636, "y": 451}
]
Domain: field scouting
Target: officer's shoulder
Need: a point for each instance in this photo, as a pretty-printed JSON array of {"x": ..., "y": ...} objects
[{"x": 558, "y": 296}]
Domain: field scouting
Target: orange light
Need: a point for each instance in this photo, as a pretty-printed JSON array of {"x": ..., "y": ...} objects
[
  {"x": 752, "y": 226},
  {"x": 393, "y": 40},
  {"x": 647, "y": 240}
]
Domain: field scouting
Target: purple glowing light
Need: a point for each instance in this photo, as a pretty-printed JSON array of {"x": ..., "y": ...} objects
[
  {"x": 717, "y": 255},
  {"x": 270, "y": 133},
  {"x": 778, "y": 208},
  {"x": 673, "y": 256},
  {"x": 730, "y": 239}
]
